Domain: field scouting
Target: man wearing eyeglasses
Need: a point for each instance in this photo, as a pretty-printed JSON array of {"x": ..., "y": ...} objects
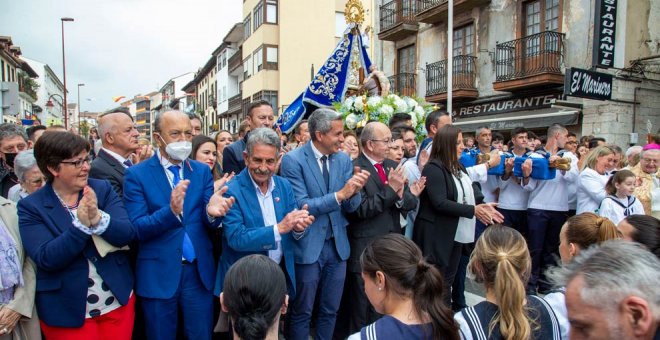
[
  {"x": 647, "y": 171},
  {"x": 12, "y": 141},
  {"x": 385, "y": 196}
]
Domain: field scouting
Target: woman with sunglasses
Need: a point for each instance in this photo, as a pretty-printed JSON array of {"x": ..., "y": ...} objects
[{"x": 76, "y": 229}]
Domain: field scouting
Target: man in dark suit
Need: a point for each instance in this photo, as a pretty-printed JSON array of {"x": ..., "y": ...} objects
[
  {"x": 119, "y": 138},
  {"x": 323, "y": 179},
  {"x": 384, "y": 198},
  {"x": 260, "y": 114},
  {"x": 171, "y": 203}
]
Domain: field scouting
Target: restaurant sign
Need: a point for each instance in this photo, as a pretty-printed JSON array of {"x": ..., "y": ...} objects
[
  {"x": 588, "y": 84},
  {"x": 505, "y": 105}
]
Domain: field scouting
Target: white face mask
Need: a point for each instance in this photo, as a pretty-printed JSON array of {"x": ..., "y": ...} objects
[{"x": 178, "y": 151}]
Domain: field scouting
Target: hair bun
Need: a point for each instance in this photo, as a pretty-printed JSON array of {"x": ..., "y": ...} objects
[{"x": 422, "y": 267}]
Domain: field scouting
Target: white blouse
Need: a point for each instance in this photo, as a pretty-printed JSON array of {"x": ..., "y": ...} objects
[{"x": 466, "y": 226}]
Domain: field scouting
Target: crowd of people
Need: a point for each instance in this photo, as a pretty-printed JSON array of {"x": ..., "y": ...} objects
[{"x": 326, "y": 233}]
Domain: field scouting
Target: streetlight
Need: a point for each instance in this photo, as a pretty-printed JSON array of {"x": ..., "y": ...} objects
[
  {"x": 66, "y": 111},
  {"x": 49, "y": 103},
  {"x": 79, "y": 85}
]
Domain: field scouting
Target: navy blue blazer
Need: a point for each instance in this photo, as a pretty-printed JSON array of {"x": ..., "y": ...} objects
[
  {"x": 244, "y": 230},
  {"x": 60, "y": 252},
  {"x": 232, "y": 157},
  {"x": 147, "y": 194},
  {"x": 302, "y": 170}
]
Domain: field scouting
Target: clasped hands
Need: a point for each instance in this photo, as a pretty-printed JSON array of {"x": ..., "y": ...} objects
[
  {"x": 297, "y": 220},
  {"x": 354, "y": 184},
  {"x": 218, "y": 204},
  {"x": 88, "y": 211}
]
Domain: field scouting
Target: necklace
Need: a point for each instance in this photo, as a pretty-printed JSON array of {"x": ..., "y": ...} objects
[{"x": 66, "y": 206}]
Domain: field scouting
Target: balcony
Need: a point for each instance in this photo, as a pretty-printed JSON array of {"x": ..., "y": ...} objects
[
  {"x": 235, "y": 104},
  {"x": 397, "y": 20},
  {"x": 403, "y": 84},
  {"x": 435, "y": 11},
  {"x": 464, "y": 76},
  {"x": 532, "y": 61},
  {"x": 212, "y": 102},
  {"x": 235, "y": 61}
]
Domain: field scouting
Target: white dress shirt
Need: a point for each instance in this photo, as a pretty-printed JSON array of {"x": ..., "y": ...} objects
[
  {"x": 270, "y": 219},
  {"x": 591, "y": 190},
  {"x": 512, "y": 194},
  {"x": 552, "y": 195},
  {"x": 466, "y": 226},
  {"x": 318, "y": 156},
  {"x": 116, "y": 156}
]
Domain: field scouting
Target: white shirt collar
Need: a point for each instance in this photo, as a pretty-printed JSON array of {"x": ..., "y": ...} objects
[
  {"x": 316, "y": 151},
  {"x": 373, "y": 162},
  {"x": 115, "y": 155},
  {"x": 271, "y": 186},
  {"x": 166, "y": 162}
]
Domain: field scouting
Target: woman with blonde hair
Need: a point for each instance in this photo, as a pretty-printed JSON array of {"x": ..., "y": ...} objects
[
  {"x": 578, "y": 233},
  {"x": 593, "y": 177},
  {"x": 501, "y": 262}
]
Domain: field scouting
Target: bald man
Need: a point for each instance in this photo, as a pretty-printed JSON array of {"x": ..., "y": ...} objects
[{"x": 119, "y": 138}]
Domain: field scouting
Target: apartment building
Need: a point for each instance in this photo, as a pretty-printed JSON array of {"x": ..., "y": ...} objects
[{"x": 511, "y": 58}]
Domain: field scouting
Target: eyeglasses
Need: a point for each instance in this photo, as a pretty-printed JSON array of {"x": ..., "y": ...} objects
[
  {"x": 386, "y": 141},
  {"x": 79, "y": 162},
  {"x": 38, "y": 181}
]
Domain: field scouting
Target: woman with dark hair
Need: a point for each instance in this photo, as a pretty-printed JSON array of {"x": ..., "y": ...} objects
[
  {"x": 407, "y": 290},
  {"x": 75, "y": 229},
  {"x": 448, "y": 206},
  {"x": 350, "y": 145},
  {"x": 254, "y": 295},
  {"x": 501, "y": 262},
  {"x": 643, "y": 229},
  {"x": 204, "y": 150}
]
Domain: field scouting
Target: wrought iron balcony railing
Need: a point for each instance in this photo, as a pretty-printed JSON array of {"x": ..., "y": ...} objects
[
  {"x": 396, "y": 12},
  {"x": 532, "y": 55},
  {"x": 404, "y": 84},
  {"x": 464, "y": 75}
]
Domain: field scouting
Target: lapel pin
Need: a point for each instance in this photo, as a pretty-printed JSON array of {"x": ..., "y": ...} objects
[{"x": 277, "y": 199}]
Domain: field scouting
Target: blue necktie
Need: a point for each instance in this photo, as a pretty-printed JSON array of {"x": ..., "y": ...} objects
[
  {"x": 188, "y": 249},
  {"x": 128, "y": 163}
]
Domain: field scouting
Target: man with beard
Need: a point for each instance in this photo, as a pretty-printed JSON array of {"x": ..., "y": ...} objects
[
  {"x": 12, "y": 141},
  {"x": 612, "y": 292}
]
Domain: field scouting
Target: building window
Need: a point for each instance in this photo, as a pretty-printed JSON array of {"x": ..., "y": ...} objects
[
  {"x": 258, "y": 15},
  {"x": 271, "y": 97},
  {"x": 258, "y": 58},
  {"x": 246, "y": 26},
  {"x": 540, "y": 16},
  {"x": 2, "y": 66},
  {"x": 271, "y": 11},
  {"x": 271, "y": 58},
  {"x": 247, "y": 67},
  {"x": 406, "y": 59},
  {"x": 340, "y": 24},
  {"x": 464, "y": 40},
  {"x": 244, "y": 109}
]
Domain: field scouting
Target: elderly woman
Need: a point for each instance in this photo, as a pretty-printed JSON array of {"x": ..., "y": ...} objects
[
  {"x": 75, "y": 229},
  {"x": 18, "y": 316},
  {"x": 29, "y": 176}
]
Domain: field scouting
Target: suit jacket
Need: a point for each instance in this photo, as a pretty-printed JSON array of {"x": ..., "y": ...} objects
[
  {"x": 160, "y": 233},
  {"x": 232, "y": 156},
  {"x": 108, "y": 168},
  {"x": 61, "y": 251},
  {"x": 303, "y": 172},
  {"x": 244, "y": 231},
  {"x": 378, "y": 213},
  {"x": 439, "y": 211}
]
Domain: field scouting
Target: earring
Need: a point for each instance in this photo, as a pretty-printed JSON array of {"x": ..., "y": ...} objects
[{"x": 380, "y": 288}]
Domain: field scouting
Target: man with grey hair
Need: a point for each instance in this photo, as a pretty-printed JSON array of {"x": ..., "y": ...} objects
[
  {"x": 265, "y": 213},
  {"x": 12, "y": 141},
  {"x": 323, "y": 179},
  {"x": 647, "y": 188},
  {"x": 119, "y": 138},
  {"x": 612, "y": 292},
  {"x": 632, "y": 156},
  {"x": 29, "y": 176}
]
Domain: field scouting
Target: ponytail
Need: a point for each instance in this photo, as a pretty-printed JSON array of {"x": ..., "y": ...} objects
[
  {"x": 606, "y": 230},
  {"x": 502, "y": 263},
  {"x": 426, "y": 300},
  {"x": 410, "y": 276},
  {"x": 511, "y": 296},
  {"x": 587, "y": 229},
  {"x": 610, "y": 189}
]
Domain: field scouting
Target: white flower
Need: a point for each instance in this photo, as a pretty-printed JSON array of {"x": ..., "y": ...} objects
[
  {"x": 386, "y": 110},
  {"x": 413, "y": 120},
  {"x": 358, "y": 104},
  {"x": 393, "y": 97},
  {"x": 410, "y": 101},
  {"x": 348, "y": 103},
  {"x": 351, "y": 121},
  {"x": 401, "y": 106},
  {"x": 419, "y": 112},
  {"x": 374, "y": 101}
]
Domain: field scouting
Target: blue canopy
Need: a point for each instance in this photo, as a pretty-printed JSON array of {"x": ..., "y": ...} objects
[{"x": 330, "y": 83}]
